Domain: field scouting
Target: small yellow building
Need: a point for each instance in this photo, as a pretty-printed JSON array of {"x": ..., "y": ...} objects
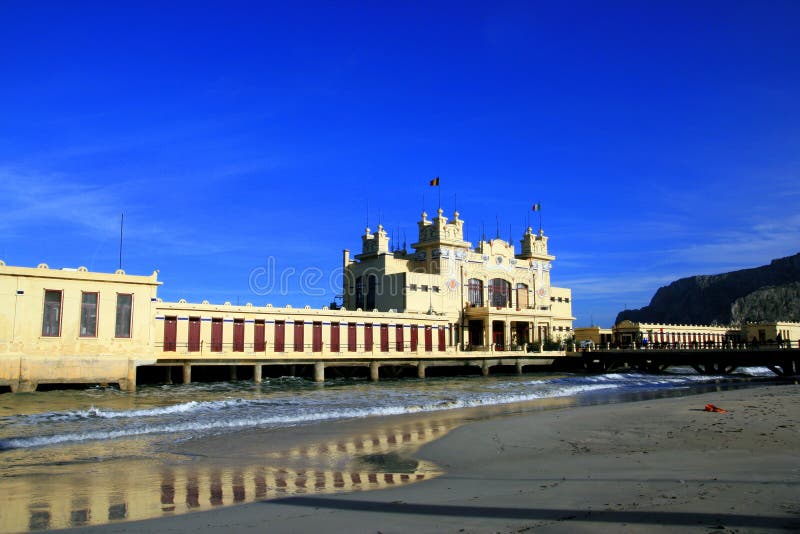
[
  {"x": 72, "y": 325},
  {"x": 773, "y": 332},
  {"x": 598, "y": 337},
  {"x": 630, "y": 334}
]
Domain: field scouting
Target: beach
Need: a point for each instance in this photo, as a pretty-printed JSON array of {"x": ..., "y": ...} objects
[{"x": 660, "y": 465}]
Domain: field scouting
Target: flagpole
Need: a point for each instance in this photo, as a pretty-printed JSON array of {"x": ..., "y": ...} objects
[
  {"x": 121, "y": 222},
  {"x": 538, "y": 207},
  {"x": 540, "y": 218}
]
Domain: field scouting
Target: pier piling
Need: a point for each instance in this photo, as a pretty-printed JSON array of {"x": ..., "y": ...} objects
[
  {"x": 421, "y": 370},
  {"x": 319, "y": 372},
  {"x": 374, "y": 371}
]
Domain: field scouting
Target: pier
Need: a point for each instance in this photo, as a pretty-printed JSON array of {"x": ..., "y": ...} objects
[
  {"x": 782, "y": 361},
  {"x": 319, "y": 368}
]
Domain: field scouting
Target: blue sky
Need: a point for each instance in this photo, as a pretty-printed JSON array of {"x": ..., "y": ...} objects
[{"x": 662, "y": 138}]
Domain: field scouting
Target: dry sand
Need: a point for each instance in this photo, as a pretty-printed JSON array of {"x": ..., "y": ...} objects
[{"x": 653, "y": 466}]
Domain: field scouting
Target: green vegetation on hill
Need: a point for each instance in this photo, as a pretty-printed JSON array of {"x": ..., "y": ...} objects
[{"x": 776, "y": 303}]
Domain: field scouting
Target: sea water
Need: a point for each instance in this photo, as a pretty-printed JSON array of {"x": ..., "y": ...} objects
[{"x": 93, "y": 456}]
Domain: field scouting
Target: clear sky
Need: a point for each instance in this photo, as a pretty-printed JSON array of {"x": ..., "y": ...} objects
[{"x": 661, "y": 138}]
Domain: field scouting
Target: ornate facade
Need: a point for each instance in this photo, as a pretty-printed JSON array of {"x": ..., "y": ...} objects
[{"x": 491, "y": 295}]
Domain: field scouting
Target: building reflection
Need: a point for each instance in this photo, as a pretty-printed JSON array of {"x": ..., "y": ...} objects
[
  {"x": 85, "y": 495},
  {"x": 99, "y": 496}
]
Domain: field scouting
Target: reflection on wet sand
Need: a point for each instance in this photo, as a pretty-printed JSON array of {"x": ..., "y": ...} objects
[
  {"x": 377, "y": 459},
  {"x": 73, "y": 494}
]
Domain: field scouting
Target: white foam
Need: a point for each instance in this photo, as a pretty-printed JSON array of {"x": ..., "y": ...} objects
[
  {"x": 288, "y": 408},
  {"x": 290, "y": 420}
]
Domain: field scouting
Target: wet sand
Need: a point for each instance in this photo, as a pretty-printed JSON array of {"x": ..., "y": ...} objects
[{"x": 661, "y": 465}]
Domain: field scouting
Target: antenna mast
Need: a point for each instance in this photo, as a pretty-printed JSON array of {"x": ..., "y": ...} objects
[{"x": 121, "y": 222}]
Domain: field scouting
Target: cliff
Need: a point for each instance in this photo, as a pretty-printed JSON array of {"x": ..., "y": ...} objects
[{"x": 770, "y": 292}]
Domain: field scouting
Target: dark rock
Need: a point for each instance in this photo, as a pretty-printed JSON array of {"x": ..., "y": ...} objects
[{"x": 767, "y": 293}]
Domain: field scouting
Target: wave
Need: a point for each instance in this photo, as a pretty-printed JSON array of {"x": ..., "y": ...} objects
[
  {"x": 208, "y": 416},
  {"x": 629, "y": 380},
  {"x": 98, "y": 413},
  {"x": 290, "y": 420}
]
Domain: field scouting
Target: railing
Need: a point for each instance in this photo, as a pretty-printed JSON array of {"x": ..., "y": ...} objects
[
  {"x": 694, "y": 345},
  {"x": 499, "y": 347},
  {"x": 269, "y": 348}
]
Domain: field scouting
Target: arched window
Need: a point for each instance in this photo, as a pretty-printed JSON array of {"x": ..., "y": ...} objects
[
  {"x": 372, "y": 289},
  {"x": 522, "y": 296},
  {"x": 499, "y": 293},
  {"x": 360, "y": 292},
  {"x": 475, "y": 292}
]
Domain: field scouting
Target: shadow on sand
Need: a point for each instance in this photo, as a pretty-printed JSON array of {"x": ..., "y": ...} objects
[{"x": 545, "y": 514}]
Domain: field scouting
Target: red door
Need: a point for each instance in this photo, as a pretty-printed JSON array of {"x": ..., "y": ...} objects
[
  {"x": 216, "y": 335},
  {"x": 442, "y": 341},
  {"x": 414, "y": 337},
  {"x": 352, "y": 338},
  {"x": 368, "y": 336},
  {"x": 280, "y": 336},
  {"x": 299, "y": 342},
  {"x": 258, "y": 337},
  {"x": 194, "y": 334},
  {"x": 384, "y": 338},
  {"x": 238, "y": 335},
  {"x": 428, "y": 338},
  {"x": 316, "y": 337},
  {"x": 170, "y": 333},
  {"x": 497, "y": 339},
  {"x": 334, "y": 337},
  {"x": 398, "y": 338}
]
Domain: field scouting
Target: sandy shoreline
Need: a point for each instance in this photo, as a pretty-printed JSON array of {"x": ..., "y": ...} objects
[{"x": 658, "y": 465}]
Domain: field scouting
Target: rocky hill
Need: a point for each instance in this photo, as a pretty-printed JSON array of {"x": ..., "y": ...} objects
[{"x": 770, "y": 292}]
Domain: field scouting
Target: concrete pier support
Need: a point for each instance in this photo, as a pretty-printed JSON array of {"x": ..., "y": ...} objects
[
  {"x": 26, "y": 386},
  {"x": 519, "y": 367},
  {"x": 374, "y": 371},
  {"x": 257, "y": 373},
  {"x": 485, "y": 368},
  {"x": 421, "y": 370},
  {"x": 187, "y": 373},
  {"x": 319, "y": 372},
  {"x": 233, "y": 373},
  {"x": 130, "y": 382},
  {"x": 168, "y": 374}
]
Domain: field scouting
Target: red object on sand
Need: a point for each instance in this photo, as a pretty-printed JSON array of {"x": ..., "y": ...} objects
[{"x": 712, "y": 408}]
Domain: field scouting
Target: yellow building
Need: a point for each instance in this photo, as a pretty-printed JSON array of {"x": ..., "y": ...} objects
[
  {"x": 188, "y": 330},
  {"x": 683, "y": 336},
  {"x": 594, "y": 335},
  {"x": 71, "y": 325},
  {"x": 772, "y": 332},
  {"x": 490, "y": 295},
  {"x": 76, "y": 326}
]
